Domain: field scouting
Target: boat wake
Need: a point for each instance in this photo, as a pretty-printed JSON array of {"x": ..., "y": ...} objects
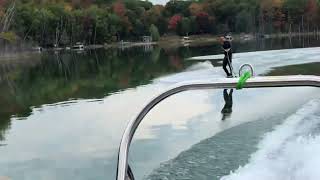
[
  {"x": 262, "y": 61},
  {"x": 291, "y": 151},
  {"x": 199, "y": 71},
  {"x": 288, "y": 151}
]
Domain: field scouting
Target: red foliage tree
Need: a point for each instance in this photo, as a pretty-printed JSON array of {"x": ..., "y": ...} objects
[{"x": 173, "y": 22}]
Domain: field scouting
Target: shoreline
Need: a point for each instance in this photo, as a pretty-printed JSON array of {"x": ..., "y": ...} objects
[{"x": 173, "y": 41}]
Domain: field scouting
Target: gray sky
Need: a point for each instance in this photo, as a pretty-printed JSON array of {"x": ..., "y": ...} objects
[{"x": 163, "y": 2}]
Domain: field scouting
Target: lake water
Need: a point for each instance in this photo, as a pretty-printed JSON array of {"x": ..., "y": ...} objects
[{"x": 62, "y": 114}]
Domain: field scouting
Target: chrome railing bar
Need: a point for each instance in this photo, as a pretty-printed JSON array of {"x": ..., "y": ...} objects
[{"x": 257, "y": 82}]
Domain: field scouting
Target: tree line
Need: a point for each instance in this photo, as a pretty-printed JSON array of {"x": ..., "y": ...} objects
[{"x": 101, "y": 21}]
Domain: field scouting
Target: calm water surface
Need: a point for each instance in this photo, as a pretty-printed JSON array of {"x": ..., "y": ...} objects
[{"x": 62, "y": 114}]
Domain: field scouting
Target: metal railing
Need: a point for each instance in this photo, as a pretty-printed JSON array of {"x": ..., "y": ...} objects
[{"x": 257, "y": 82}]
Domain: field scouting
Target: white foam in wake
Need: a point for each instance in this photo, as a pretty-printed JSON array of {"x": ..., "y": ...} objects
[
  {"x": 199, "y": 71},
  {"x": 262, "y": 61},
  {"x": 291, "y": 151}
]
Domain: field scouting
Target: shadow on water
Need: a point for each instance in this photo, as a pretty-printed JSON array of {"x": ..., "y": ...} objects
[{"x": 4, "y": 125}]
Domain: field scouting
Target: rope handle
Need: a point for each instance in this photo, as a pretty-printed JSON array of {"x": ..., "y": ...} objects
[{"x": 243, "y": 79}]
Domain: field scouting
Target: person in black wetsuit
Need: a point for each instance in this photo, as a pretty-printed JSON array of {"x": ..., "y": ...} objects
[
  {"x": 226, "y": 45},
  {"x": 227, "y": 109}
]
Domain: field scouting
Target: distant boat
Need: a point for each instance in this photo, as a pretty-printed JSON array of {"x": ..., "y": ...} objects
[
  {"x": 38, "y": 48},
  {"x": 246, "y": 37},
  {"x": 79, "y": 47},
  {"x": 186, "y": 39},
  {"x": 57, "y": 48},
  {"x": 263, "y": 36}
]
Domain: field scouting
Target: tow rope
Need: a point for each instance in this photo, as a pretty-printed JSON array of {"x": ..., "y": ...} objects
[{"x": 243, "y": 79}]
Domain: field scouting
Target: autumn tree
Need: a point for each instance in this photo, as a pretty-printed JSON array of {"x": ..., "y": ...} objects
[
  {"x": 65, "y": 22},
  {"x": 173, "y": 22},
  {"x": 195, "y": 8}
]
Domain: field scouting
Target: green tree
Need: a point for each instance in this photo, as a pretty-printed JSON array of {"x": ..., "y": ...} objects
[
  {"x": 139, "y": 28},
  {"x": 184, "y": 27},
  {"x": 194, "y": 28},
  {"x": 244, "y": 22},
  {"x": 115, "y": 25},
  {"x": 295, "y": 10},
  {"x": 98, "y": 21},
  {"x": 154, "y": 33}
]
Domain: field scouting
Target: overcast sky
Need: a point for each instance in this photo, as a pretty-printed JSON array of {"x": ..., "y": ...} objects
[{"x": 163, "y": 2}]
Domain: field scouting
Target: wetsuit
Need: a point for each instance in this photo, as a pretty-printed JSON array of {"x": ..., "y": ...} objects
[
  {"x": 227, "y": 109},
  {"x": 227, "y": 46}
]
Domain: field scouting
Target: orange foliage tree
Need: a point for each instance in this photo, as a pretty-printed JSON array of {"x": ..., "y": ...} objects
[{"x": 195, "y": 8}]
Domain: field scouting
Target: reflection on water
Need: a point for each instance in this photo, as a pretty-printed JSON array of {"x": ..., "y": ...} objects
[
  {"x": 58, "y": 77},
  {"x": 73, "y": 108},
  {"x": 227, "y": 108},
  {"x": 4, "y": 125}
]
